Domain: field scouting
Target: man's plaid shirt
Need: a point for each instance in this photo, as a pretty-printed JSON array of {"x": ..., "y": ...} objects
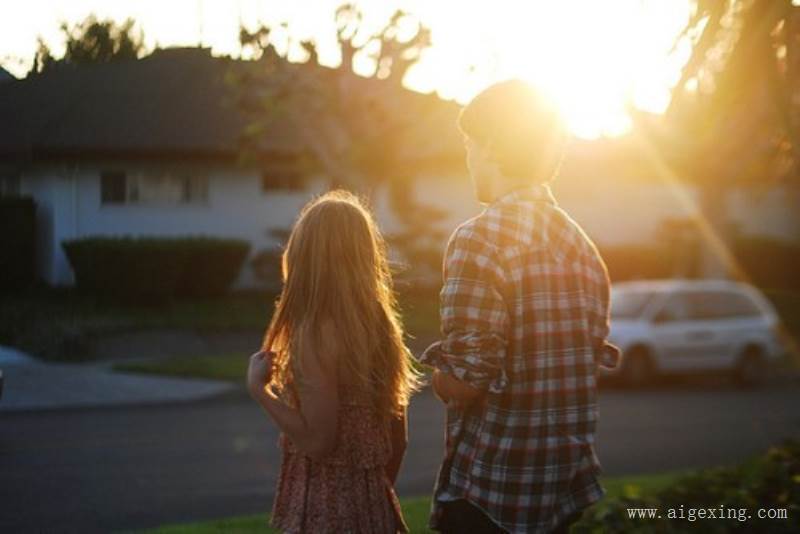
[{"x": 524, "y": 312}]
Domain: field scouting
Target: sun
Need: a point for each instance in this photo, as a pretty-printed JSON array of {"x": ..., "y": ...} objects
[{"x": 595, "y": 59}]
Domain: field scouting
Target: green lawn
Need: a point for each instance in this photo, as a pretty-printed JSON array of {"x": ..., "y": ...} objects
[
  {"x": 230, "y": 367},
  {"x": 415, "y": 509},
  {"x": 420, "y": 315},
  {"x": 57, "y": 324}
]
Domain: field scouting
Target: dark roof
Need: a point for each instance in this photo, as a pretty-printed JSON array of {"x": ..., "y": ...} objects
[
  {"x": 6, "y": 76},
  {"x": 173, "y": 102}
]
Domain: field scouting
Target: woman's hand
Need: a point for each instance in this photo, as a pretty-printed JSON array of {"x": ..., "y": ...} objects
[
  {"x": 438, "y": 387},
  {"x": 259, "y": 372}
]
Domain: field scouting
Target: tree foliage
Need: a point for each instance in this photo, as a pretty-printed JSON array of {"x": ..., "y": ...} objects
[
  {"x": 92, "y": 41},
  {"x": 733, "y": 117},
  {"x": 349, "y": 124},
  {"x": 354, "y": 129},
  {"x": 734, "y": 110}
]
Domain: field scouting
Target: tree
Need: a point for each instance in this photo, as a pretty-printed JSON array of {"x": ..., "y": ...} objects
[
  {"x": 733, "y": 118},
  {"x": 92, "y": 41},
  {"x": 353, "y": 129},
  {"x": 348, "y": 123}
]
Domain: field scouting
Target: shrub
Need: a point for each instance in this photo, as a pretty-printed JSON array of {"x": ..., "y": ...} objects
[
  {"x": 638, "y": 262},
  {"x": 17, "y": 243},
  {"x": 30, "y": 324},
  {"x": 267, "y": 267},
  {"x": 152, "y": 270},
  {"x": 769, "y": 481},
  {"x": 210, "y": 265},
  {"x": 769, "y": 263}
]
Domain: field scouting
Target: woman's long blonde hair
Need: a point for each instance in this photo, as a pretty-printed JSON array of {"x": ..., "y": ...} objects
[{"x": 335, "y": 272}]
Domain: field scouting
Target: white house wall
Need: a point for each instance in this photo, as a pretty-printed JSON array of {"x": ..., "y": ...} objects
[
  {"x": 622, "y": 211},
  {"x": 611, "y": 214},
  {"x": 69, "y": 207},
  {"x": 773, "y": 212},
  {"x": 69, "y": 204},
  {"x": 625, "y": 211},
  {"x": 451, "y": 193}
]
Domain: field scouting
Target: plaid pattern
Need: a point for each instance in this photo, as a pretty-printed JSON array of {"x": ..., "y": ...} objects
[{"x": 524, "y": 312}]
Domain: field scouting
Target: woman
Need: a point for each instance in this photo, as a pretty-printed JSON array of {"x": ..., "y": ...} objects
[{"x": 335, "y": 375}]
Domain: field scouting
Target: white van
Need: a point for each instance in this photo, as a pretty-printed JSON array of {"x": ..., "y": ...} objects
[{"x": 686, "y": 326}]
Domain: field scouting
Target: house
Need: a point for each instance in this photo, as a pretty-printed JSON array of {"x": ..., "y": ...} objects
[
  {"x": 151, "y": 147},
  {"x": 136, "y": 148},
  {"x": 147, "y": 147}
]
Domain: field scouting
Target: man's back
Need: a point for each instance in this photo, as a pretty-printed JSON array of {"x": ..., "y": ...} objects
[{"x": 525, "y": 317}]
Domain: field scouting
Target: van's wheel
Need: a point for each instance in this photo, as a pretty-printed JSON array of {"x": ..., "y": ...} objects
[
  {"x": 752, "y": 368},
  {"x": 637, "y": 367}
]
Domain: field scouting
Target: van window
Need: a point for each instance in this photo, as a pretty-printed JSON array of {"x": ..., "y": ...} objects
[
  {"x": 629, "y": 304},
  {"x": 707, "y": 305},
  {"x": 674, "y": 309}
]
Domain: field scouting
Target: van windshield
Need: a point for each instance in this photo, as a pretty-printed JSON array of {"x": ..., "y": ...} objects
[{"x": 629, "y": 304}]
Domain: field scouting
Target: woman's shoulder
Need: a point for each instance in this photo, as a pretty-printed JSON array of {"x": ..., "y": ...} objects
[{"x": 318, "y": 349}]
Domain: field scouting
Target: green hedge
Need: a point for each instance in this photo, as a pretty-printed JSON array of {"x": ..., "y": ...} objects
[
  {"x": 17, "y": 243},
  {"x": 771, "y": 481},
  {"x": 769, "y": 263},
  {"x": 638, "y": 262},
  {"x": 155, "y": 269}
]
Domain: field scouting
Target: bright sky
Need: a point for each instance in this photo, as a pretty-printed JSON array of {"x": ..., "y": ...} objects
[{"x": 592, "y": 56}]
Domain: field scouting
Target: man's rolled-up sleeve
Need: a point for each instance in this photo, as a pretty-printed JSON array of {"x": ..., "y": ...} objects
[
  {"x": 606, "y": 354},
  {"x": 474, "y": 316}
]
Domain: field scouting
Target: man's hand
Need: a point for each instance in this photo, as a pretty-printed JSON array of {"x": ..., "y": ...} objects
[
  {"x": 259, "y": 372},
  {"x": 454, "y": 392}
]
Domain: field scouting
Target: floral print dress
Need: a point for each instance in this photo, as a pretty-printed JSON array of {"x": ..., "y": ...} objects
[{"x": 348, "y": 491}]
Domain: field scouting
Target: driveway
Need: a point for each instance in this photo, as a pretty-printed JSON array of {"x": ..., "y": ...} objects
[{"x": 31, "y": 384}]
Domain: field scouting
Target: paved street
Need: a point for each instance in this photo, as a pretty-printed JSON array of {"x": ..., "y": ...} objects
[{"x": 131, "y": 467}]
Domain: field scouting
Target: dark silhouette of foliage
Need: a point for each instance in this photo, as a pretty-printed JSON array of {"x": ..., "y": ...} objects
[
  {"x": 349, "y": 124},
  {"x": 733, "y": 494},
  {"x": 92, "y": 41},
  {"x": 354, "y": 129},
  {"x": 17, "y": 239},
  {"x": 736, "y": 92},
  {"x": 733, "y": 117},
  {"x": 153, "y": 270}
]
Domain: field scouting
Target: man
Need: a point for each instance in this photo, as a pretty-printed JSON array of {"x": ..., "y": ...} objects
[{"x": 524, "y": 312}]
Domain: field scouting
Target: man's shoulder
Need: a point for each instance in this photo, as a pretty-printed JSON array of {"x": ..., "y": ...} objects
[
  {"x": 566, "y": 235},
  {"x": 512, "y": 227},
  {"x": 473, "y": 230},
  {"x": 498, "y": 227}
]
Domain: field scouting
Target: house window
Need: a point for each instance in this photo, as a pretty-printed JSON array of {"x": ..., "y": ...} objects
[
  {"x": 282, "y": 180},
  {"x": 9, "y": 185},
  {"x": 117, "y": 187},
  {"x": 112, "y": 188}
]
